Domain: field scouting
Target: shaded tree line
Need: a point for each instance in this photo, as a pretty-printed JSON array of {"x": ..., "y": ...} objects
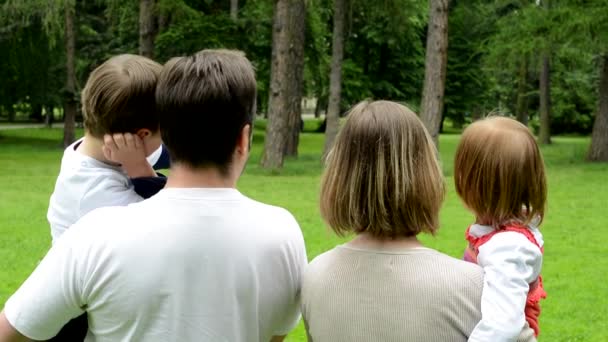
[{"x": 541, "y": 61}]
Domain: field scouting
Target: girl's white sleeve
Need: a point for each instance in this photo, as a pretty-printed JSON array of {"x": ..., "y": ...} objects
[{"x": 511, "y": 262}]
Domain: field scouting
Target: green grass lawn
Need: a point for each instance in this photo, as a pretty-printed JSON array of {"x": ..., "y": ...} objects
[{"x": 575, "y": 229}]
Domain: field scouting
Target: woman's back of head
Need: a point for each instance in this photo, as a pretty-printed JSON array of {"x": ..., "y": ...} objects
[{"x": 382, "y": 176}]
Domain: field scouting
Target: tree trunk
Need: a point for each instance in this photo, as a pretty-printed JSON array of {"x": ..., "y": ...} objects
[
  {"x": 297, "y": 29},
  {"x": 283, "y": 104},
  {"x": 162, "y": 22},
  {"x": 146, "y": 28},
  {"x": 36, "y": 113},
  {"x": 544, "y": 135},
  {"x": 522, "y": 92},
  {"x": 11, "y": 113},
  {"x": 234, "y": 9},
  {"x": 477, "y": 113},
  {"x": 69, "y": 102},
  {"x": 49, "y": 116},
  {"x": 335, "y": 77},
  {"x": 435, "y": 68},
  {"x": 599, "y": 138}
]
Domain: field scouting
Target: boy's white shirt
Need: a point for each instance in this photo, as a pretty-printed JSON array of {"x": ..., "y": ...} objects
[
  {"x": 510, "y": 262},
  {"x": 84, "y": 184}
]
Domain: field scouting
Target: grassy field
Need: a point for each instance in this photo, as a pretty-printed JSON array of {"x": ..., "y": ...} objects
[{"x": 575, "y": 228}]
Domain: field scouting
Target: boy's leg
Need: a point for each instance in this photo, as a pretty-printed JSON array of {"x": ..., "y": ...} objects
[
  {"x": 75, "y": 330},
  {"x": 147, "y": 187}
]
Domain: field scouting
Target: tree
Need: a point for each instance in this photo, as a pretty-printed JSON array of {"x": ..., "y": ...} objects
[
  {"x": 147, "y": 31},
  {"x": 234, "y": 9},
  {"x": 598, "y": 151},
  {"x": 522, "y": 92},
  {"x": 467, "y": 90},
  {"x": 435, "y": 67},
  {"x": 297, "y": 25},
  {"x": 335, "y": 77},
  {"x": 70, "y": 101},
  {"x": 57, "y": 19},
  {"x": 544, "y": 135},
  {"x": 283, "y": 104}
]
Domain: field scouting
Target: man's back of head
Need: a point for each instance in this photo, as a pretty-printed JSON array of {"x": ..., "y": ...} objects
[{"x": 204, "y": 101}]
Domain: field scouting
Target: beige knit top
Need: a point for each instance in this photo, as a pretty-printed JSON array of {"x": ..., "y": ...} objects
[{"x": 413, "y": 294}]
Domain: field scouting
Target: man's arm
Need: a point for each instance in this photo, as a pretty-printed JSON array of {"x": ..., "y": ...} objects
[
  {"x": 51, "y": 296},
  {"x": 8, "y": 333}
]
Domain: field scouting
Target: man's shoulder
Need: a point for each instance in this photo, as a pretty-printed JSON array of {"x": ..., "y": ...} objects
[{"x": 270, "y": 213}]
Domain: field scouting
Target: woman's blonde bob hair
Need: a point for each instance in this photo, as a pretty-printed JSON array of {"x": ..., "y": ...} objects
[
  {"x": 382, "y": 176},
  {"x": 499, "y": 173}
]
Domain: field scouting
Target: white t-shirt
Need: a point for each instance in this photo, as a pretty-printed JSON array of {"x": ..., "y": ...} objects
[
  {"x": 184, "y": 265},
  {"x": 510, "y": 263},
  {"x": 85, "y": 184}
]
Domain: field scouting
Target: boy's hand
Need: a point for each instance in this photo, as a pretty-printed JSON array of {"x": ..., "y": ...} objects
[{"x": 128, "y": 150}]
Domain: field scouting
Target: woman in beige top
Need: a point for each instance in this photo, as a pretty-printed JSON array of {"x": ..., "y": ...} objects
[{"x": 383, "y": 183}]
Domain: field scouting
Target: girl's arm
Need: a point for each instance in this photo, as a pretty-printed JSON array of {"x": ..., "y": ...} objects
[{"x": 511, "y": 262}]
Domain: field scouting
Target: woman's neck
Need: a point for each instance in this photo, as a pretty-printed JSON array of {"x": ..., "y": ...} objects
[{"x": 367, "y": 241}]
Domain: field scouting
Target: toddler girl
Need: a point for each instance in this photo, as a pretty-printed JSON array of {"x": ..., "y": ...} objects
[{"x": 500, "y": 177}]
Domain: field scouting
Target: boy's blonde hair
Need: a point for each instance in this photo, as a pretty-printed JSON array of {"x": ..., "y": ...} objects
[
  {"x": 382, "y": 176},
  {"x": 499, "y": 172},
  {"x": 119, "y": 96}
]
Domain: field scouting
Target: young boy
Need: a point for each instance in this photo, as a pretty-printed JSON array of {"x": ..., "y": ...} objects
[
  {"x": 121, "y": 130},
  {"x": 118, "y": 103}
]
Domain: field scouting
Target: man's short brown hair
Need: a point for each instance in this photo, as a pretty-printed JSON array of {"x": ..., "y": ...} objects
[
  {"x": 119, "y": 96},
  {"x": 204, "y": 101},
  {"x": 382, "y": 176},
  {"x": 499, "y": 172}
]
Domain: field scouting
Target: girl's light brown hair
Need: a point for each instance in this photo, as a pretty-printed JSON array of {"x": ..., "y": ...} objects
[
  {"x": 499, "y": 172},
  {"x": 382, "y": 176}
]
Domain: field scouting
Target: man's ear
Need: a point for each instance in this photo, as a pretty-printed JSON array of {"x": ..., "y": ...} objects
[
  {"x": 143, "y": 133},
  {"x": 243, "y": 144}
]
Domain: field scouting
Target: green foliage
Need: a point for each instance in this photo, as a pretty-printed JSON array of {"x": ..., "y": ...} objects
[
  {"x": 467, "y": 85},
  {"x": 383, "y": 57},
  {"x": 384, "y": 51},
  {"x": 489, "y": 40}
]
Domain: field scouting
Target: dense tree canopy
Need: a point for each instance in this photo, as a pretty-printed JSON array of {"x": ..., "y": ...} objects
[{"x": 495, "y": 51}]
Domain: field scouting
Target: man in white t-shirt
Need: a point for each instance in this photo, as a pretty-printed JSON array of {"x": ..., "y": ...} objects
[{"x": 197, "y": 262}]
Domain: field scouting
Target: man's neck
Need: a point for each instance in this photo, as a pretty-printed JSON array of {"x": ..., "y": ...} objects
[
  {"x": 182, "y": 176},
  {"x": 92, "y": 147}
]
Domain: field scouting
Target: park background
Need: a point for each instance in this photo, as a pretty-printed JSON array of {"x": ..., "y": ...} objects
[{"x": 544, "y": 63}]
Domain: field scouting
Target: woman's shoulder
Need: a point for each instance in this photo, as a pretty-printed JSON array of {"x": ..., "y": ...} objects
[
  {"x": 323, "y": 260},
  {"x": 453, "y": 268},
  {"x": 426, "y": 261}
]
